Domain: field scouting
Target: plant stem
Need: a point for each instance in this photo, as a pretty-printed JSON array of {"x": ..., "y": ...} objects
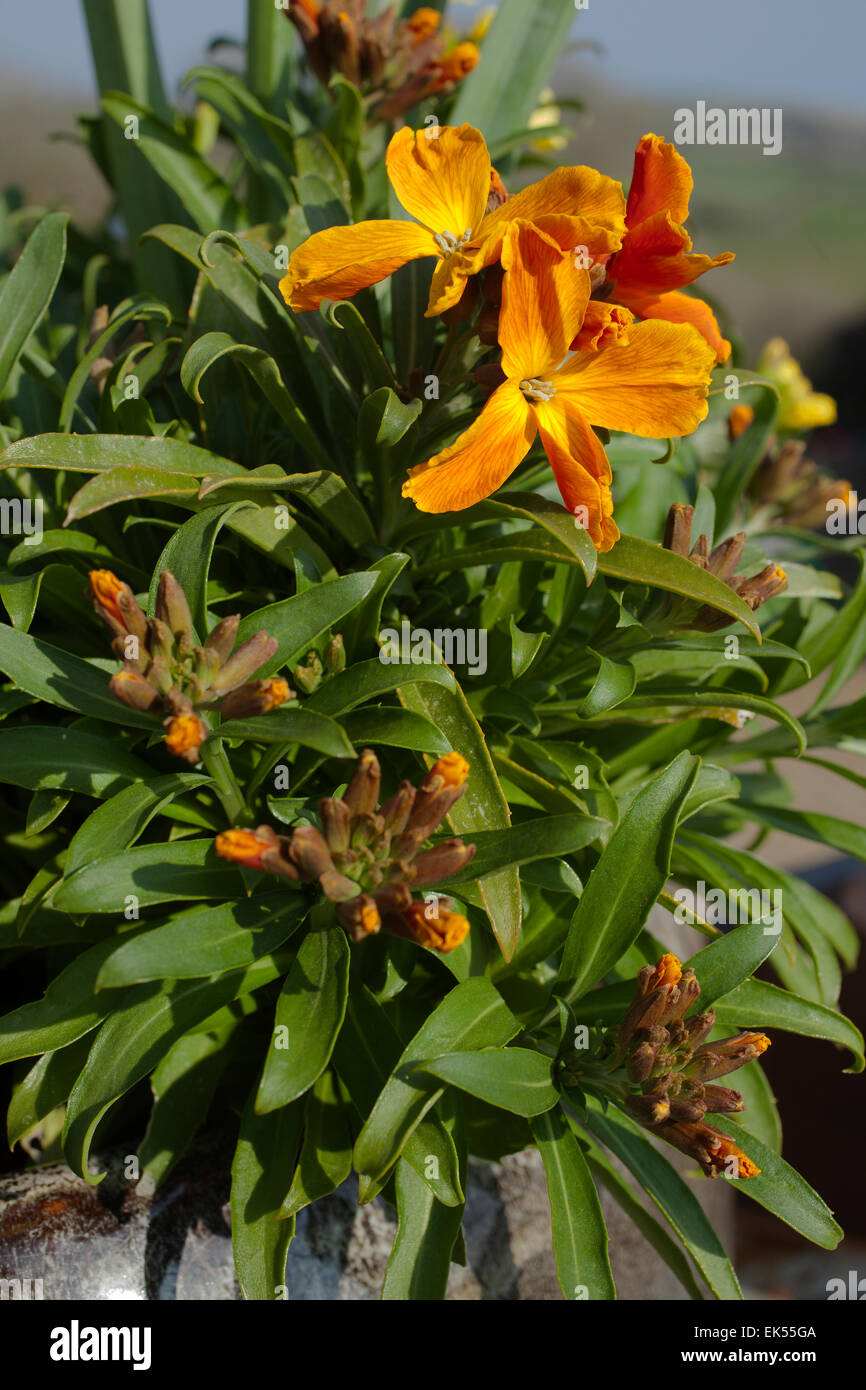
[{"x": 215, "y": 759}]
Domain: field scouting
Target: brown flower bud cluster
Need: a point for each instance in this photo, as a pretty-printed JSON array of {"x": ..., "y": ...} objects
[
  {"x": 668, "y": 1065},
  {"x": 164, "y": 668},
  {"x": 721, "y": 562},
  {"x": 368, "y": 859},
  {"x": 316, "y": 669},
  {"x": 795, "y": 487},
  {"x": 395, "y": 63}
]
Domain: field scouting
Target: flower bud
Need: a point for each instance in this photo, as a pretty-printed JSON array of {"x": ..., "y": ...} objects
[
  {"x": 360, "y": 916},
  {"x": 249, "y": 658},
  {"x": 115, "y": 604},
  {"x": 172, "y": 607},
  {"x": 257, "y": 697},
  {"x": 184, "y": 735},
  {"x": 433, "y": 926},
  {"x": 362, "y": 794},
  {"x": 335, "y": 656},
  {"x": 715, "y": 1059},
  {"x": 721, "y": 1100},
  {"x": 222, "y": 639},
  {"x": 440, "y": 862},
  {"x": 131, "y": 688},
  {"x": 309, "y": 853},
  {"x": 740, "y": 418},
  {"x": 649, "y": 1110},
  {"x": 397, "y": 809},
  {"x": 336, "y": 823}
]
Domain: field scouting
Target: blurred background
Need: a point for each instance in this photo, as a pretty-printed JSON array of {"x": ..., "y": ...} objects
[{"x": 797, "y": 222}]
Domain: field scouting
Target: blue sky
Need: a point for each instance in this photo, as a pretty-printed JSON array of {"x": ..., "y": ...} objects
[{"x": 770, "y": 51}]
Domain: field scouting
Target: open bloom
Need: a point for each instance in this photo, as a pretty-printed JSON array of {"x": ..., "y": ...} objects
[
  {"x": 654, "y": 264},
  {"x": 655, "y": 385},
  {"x": 445, "y": 183}
]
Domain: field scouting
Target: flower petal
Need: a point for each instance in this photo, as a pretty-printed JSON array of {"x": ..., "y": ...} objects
[
  {"x": 580, "y": 466},
  {"x": 603, "y": 324},
  {"x": 653, "y": 258},
  {"x": 661, "y": 182},
  {"x": 445, "y": 181},
  {"x": 477, "y": 463},
  {"x": 576, "y": 192},
  {"x": 544, "y": 298},
  {"x": 340, "y": 261},
  {"x": 656, "y": 385},
  {"x": 684, "y": 308}
]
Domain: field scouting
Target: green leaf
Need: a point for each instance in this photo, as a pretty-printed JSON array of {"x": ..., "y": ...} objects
[
  {"x": 641, "y": 562},
  {"x": 579, "y": 1230},
  {"x": 368, "y": 680},
  {"x": 364, "y": 1056},
  {"x": 28, "y": 289},
  {"x": 118, "y": 822},
  {"x": 780, "y": 1189},
  {"x": 40, "y": 757},
  {"x": 552, "y": 517},
  {"x": 745, "y": 455},
  {"x": 183, "y": 1087},
  {"x": 297, "y": 622},
  {"x": 206, "y": 941},
  {"x": 325, "y": 1159},
  {"x": 323, "y": 490},
  {"x": 188, "y": 556},
  {"x": 62, "y": 679},
  {"x": 206, "y": 197},
  {"x": 757, "y": 1004},
  {"x": 725, "y": 963},
  {"x": 310, "y": 1012},
  {"x": 614, "y": 683},
  {"x": 126, "y": 485},
  {"x": 842, "y": 835},
  {"x": 45, "y": 1086},
  {"x": 546, "y": 837},
  {"x": 144, "y": 1025},
  {"x": 483, "y": 804},
  {"x": 140, "y": 308},
  {"x": 513, "y": 1078},
  {"x": 101, "y": 453},
  {"x": 396, "y": 728},
  {"x": 69, "y": 1009},
  {"x": 262, "y": 1171},
  {"x": 288, "y": 726},
  {"x": 472, "y": 1015},
  {"x": 519, "y": 53},
  {"x": 626, "y": 881},
  {"x": 669, "y": 1192},
  {"x": 151, "y": 874},
  {"x": 420, "y": 1258}
]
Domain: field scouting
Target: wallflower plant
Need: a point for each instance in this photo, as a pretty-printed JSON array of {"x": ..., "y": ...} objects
[{"x": 427, "y": 903}]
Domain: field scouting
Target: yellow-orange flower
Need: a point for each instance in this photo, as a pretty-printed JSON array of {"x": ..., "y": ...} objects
[
  {"x": 445, "y": 182},
  {"x": 654, "y": 263},
  {"x": 656, "y": 385},
  {"x": 439, "y": 930}
]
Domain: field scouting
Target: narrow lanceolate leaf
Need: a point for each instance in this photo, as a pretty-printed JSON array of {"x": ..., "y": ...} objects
[
  {"x": 151, "y": 874},
  {"x": 27, "y": 291},
  {"x": 296, "y": 622},
  {"x": 118, "y": 822},
  {"x": 426, "y": 1231},
  {"x": 483, "y": 805},
  {"x": 472, "y": 1015},
  {"x": 547, "y": 837},
  {"x": 67, "y": 759},
  {"x": 45, "y": 1086},
  {"x": 325, "y": 1159},
  {"x": 780, "y": 1189},
  {"x": 69, "y": 1009},
  {"x": 641, "y": 562},
  {"x": 310, "y": 1012},
  {"x": 286, "y": 726},
  {"x": 614, "y": 683},
  {"x": 514, "y": 1078},
  {"x": 183, "y": 1087},
  {"x": 757, "y": 1004},
  {"x": 811, "y": 825},
  {"x": 579, "y": 1230},
  {"x": 206, "y": 941},
  {"x": 62, "y": 679},
  {"x": 552, "y": 517},
  {"x": 670, "y": 1192},
  {"x": 100, "y": 453},
  {"x": 626, "y": 881},
  {"x": 135, "y": 1039},
  {"x": 727, "y": 962},
  {"x": 261, "y": 1176},
  {"x": 188, "y": 556}
]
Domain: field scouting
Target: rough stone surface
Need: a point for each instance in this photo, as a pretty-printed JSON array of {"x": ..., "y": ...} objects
[{"x": 111, "y": 1242}]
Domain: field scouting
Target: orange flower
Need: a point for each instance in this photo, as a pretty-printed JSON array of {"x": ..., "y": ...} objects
[
  {"x": 667, "y": 972},
  {"x": 424, "y": 23},
  {"x": 654, "y": 386},
  {"x": 445, "y": 183},
  {"x": 654, "y": 262},
  {"x": 456, "y": 64},
  {"x": 184, "y": 735},
  {"x": 439, "y": 930}
]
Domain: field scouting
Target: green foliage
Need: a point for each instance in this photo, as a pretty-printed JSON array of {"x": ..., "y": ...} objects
[{"x": 258, "y": 456}]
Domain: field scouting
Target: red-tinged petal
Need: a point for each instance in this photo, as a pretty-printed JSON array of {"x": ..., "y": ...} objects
[
  {"x": 445, "y": 181},
  {"x": 655, "y": 386},
  {"x": 578, "y": 192},
  {"x": 477, "y": 463},
  {"x": 544, "y": 298},
  {"x": 340, "y": 261},
  {"x": 661, "y": 182},
  {"x": 654, "y": 259},
  {"x": 580, "y": 466},
  {"x": 683, "y": 308}
]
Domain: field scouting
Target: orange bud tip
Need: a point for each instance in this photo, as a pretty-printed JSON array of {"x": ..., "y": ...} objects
[
  {"x": 184, "y": 735},
  {"x": 276, "y": 692},
  {"x": 424, "y": 23},
  {"x": 667, "y": 972},
  {"x": 105, "y": 586},
  {"x": 435, "y": 927},
  {"x": 740, "y": 418},
  {"x": 370, "y": 920},
  {"x": 452, "y": 768},
  {"x": 241, "y": 847}
]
